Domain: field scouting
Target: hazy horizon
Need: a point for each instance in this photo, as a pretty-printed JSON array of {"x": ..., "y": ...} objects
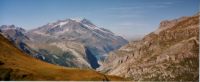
[{"x": 128, "y": 18}]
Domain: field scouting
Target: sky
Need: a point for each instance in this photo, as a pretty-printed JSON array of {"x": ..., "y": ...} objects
[{"x": 128, "y": 18}]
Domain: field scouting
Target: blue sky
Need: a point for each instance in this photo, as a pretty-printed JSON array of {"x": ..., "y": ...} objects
[{"x": 128, "y": 18}]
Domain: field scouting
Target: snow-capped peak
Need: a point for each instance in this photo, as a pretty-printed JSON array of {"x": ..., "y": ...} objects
[
  {"x": 64, "y": 26},
  {"x": 60, "y": 23},
  {"x": 63, "y": 23},
  {"x": 78, "y": 19},
  {"x": 89, "y": 24},
  {"x": 83, "y": 21}
]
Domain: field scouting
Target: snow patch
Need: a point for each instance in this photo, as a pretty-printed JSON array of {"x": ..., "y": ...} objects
[
  {"x": 63, "y": 23},
  {"x": 55, "y": 56},
  {"x": 41, "y": 33},
  {"x": 43, "y": 57},
  {"x": 96, "y": 28},
  {"x": 90, "y": 27},
  {"x": 78, "y": 19},
  {"x": 62, "y": 32}
]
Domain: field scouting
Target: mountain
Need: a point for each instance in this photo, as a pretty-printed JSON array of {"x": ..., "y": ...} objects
[
  {"x": 76, "y": 43},
  {"x": 171, "y": 53},
  {"x": 16, "y": 65},
  {"x": 17, "y": 36},
  {"x": 70, "y": 42},
  {"x": 13, "y": 33}
]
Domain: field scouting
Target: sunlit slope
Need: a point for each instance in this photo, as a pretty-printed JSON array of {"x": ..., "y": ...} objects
[
  {"x": 15, "y": 65},
  {"x": 171, "y": 53}
]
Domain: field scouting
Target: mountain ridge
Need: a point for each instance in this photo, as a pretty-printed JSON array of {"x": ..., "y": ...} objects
[{"x": 168, "y": 55}]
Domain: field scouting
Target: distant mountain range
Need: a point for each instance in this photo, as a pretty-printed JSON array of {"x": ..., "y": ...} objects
[
  {"x": 69, "y": 42},
  {"x": 171, "y": 53}
]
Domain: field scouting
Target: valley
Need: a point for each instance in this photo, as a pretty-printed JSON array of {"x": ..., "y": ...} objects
[{"x": 76, "y": 49}]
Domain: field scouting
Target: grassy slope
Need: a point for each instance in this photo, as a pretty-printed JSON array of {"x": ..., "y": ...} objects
[{"x": 15, "y": 65}]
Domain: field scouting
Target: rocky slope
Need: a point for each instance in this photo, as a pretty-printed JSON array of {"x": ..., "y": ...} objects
[
  {"x": 15, "y": 65},
  {"x": 69, "y": 42},
  {"x": 171, "y": 53},
  {"x": 17, "y": 36}
]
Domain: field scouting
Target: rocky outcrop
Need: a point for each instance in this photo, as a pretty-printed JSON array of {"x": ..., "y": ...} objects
[{"x": 171, "y": 53}]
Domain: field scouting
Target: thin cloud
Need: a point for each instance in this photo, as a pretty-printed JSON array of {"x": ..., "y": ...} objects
[
  {"x": 124, "y": 8},
  {"x": 168, "y": 3},
  {"x": 137, "y": 10},
  {"x": 146, "y": 5}
]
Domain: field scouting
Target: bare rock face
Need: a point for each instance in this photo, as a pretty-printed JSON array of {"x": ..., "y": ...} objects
[{"x": 170, "y": 54}]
